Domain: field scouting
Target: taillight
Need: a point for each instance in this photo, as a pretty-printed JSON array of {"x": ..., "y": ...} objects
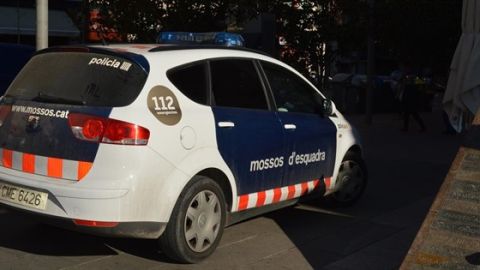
[
  {"x": 106, "y": 130},
  {"x": 4, "y": 111}
]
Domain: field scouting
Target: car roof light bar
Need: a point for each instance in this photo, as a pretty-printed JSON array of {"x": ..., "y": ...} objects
[{"x": 208, "y": 38}]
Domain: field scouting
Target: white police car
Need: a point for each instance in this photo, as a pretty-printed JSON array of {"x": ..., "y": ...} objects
[{"x": 169, "y": 142}]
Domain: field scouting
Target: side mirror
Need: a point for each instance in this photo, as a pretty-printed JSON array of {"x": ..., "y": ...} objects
[{"x": 327, "y": 107}]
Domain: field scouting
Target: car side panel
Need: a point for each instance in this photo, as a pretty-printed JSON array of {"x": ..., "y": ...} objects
[
  {"x": 253, "y": 149},
  {"x": 311, "y": 147},
  {"x": 189, "y": 146}
]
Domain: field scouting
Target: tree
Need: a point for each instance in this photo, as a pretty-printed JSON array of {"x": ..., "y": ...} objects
[
  {"x": 423, "y": 32},
  {"x": 306, "y": 25},
  {"x": 142, "y": 20}
]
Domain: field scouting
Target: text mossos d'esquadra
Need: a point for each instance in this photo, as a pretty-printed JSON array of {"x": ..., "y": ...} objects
[{"x": 293, "y": 159}]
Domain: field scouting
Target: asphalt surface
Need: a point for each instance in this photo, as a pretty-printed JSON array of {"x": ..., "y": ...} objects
[{"x": 406, "y": 170}]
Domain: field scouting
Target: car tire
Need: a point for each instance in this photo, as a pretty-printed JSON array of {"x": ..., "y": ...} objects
[
  {"x": 197, "y": 222},
  {"x": 351, "y": 181}
]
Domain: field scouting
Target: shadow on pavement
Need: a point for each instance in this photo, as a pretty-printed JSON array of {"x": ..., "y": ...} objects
[
  {"x": 20, "y": 232},
  {"x": 27, "y": 235},
  {"x": 329, "y": 237},
  {"x": 405, "y": 172}
]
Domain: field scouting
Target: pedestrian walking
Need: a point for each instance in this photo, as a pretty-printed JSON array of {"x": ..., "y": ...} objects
[{"x": 408, "y": 94}]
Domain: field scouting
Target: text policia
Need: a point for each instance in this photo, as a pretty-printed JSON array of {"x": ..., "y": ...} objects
[{"x": 293, "y": 159}]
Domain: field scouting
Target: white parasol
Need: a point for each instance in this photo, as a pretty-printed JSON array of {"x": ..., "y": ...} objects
[{"x": 463, "y": 89}]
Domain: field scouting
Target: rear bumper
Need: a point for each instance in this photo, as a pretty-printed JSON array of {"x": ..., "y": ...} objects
[
  {"x": 66, "y": 201},
  {"x": 125, "y": 185},
  {"x": 129, "y": 186},
  {"x": 106, "y": 212},
  {"x": 143, "y": 230}
]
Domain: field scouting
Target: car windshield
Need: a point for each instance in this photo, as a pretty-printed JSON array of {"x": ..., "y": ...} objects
[{"x": 79, "y": 78}]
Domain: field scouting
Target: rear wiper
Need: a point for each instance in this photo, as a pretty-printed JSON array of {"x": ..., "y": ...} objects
[
  {"x": 41, "y": 97},
  {"x": 7, "y": 99}
]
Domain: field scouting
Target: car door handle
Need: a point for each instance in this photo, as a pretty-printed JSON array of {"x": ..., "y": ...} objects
[
  {"x": 226, "y": 124},
  {"x": 290, "y": 126}
]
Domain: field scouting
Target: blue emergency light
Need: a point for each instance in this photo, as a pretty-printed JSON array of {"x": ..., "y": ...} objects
[{"x": 209, "y": 38}]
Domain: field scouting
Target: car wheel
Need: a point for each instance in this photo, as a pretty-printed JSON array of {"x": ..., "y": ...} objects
[
  {"x": 351, "y": 181},
  {"x": 197, "y": 221}
]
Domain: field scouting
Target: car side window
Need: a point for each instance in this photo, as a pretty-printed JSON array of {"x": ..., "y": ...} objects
[
  {"x": 291, "y": 93},
  {"x": 236, "y": 83},
  {"x": 191, "y": 80}
]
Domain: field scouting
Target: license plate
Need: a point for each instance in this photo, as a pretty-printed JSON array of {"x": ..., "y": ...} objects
[{"x": 23, "y": 196}]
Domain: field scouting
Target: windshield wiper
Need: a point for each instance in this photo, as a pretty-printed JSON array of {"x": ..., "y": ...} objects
[{"x": 41, "y": 97}]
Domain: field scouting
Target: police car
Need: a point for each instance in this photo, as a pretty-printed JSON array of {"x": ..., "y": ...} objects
[{"x": 169, "y": 142}]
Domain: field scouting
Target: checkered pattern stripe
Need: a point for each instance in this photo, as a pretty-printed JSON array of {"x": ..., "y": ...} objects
[
  {"x": 47, "y": 166},
  {"x": 271, "y": 196}
]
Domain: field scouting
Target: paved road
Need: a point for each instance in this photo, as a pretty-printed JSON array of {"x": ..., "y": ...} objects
[{"x": 406, "y": 170}]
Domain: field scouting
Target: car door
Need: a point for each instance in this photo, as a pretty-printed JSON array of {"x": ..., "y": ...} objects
[
  {"x": 310, "y": 136},
  {"x": 250, "y": 136}
]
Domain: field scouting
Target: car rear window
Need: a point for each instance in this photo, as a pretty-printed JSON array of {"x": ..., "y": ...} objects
[{"x": 79, "y": 78}]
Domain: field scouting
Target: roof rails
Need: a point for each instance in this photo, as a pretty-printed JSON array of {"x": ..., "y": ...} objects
[
  {"x": 162, "y": 48},
  {"x": 193, "y": 38}
]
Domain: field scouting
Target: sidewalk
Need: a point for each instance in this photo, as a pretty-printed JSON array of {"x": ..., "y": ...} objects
[{"x": 450, "y": 235}]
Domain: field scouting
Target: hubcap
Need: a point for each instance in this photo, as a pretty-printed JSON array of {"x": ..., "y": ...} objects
[
  {"x": 351, "y": 183},
  {"x": 202, "y": 222}
]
